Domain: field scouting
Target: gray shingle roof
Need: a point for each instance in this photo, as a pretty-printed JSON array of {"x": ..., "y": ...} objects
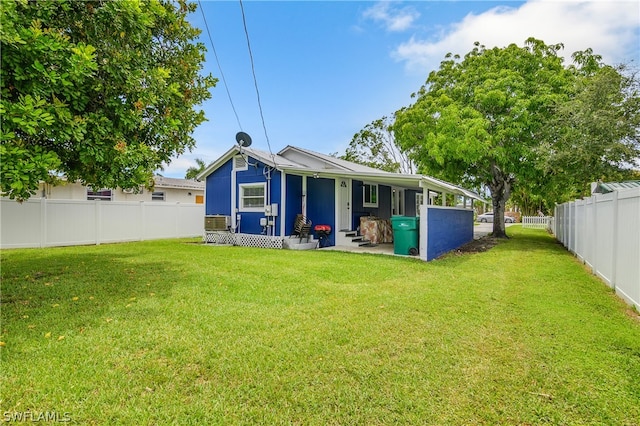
[
  {"x": 165, "y": 182},
  {"x": 335, "y": 162},
  {"x": 299, "y": 160}
]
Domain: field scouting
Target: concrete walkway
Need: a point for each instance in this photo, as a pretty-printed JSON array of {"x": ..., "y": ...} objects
[
  {"x": 479, "y": 230},
  {"x": 483, "y": 229}
]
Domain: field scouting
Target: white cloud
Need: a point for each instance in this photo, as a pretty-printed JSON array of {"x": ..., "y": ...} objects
[
  {"x": 393, "y": 19},
  {"x": 610, "y": 28},
  {"x": 179, "y": 165}
]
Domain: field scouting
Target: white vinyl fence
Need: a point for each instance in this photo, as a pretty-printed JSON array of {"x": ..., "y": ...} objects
[
  {"x": 604, "y": 232},
  {"x": 536, "y": 222},
  {"x": 45, "y": 223}
]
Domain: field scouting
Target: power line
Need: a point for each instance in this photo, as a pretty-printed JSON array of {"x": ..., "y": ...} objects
[
  {"x": 224, "y": 81},
  {"x": 255, "y": 82}
]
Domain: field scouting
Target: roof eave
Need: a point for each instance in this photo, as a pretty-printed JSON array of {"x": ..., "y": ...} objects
[
  {"x": 421, "y": 181},
  {"x": 219, "y": 162}
]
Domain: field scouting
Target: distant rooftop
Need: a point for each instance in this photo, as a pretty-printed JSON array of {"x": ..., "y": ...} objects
[
  {"x": 165, "y": 182},
  {"x": 606, "y": 187}
]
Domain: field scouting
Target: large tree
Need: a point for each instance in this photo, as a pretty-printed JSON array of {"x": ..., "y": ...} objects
[
  {"x": 594, "y": 135},
  {"x": 477, "y": 118},
  {"x": 101, "y": 91},
  {"x": 375, "y": 146}
]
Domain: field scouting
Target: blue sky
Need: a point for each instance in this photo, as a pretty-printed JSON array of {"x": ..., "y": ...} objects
[{"x": 325, "y": 69}]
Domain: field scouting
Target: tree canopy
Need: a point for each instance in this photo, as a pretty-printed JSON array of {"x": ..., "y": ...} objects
[
  {"x": 594, "y": 134},
  {"x": 193, "y": 171},
  {"x": 492, "y": 119},
  {"x": 375, "y": 146},
  {"x": 102, "y": 92}
]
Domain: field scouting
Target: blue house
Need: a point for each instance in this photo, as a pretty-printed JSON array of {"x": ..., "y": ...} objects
[{"x": 262, "y": 193}]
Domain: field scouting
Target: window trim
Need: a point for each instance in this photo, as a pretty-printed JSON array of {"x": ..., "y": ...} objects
[
  {"x": 241, "y": 197},
  {"x": 370, "y": 191},
  {"x": 397, "y": 201},
  {"x": 157, "y": 194},
  {"x": 93, "y": 195},
  {"x": 419, "y": 202}
]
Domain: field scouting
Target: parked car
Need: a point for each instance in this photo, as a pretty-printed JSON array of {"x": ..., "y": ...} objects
[{"x": 488, "y": 217}]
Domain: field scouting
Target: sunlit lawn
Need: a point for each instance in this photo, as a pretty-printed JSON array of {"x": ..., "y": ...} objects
[{"x": 177, "y": 332}]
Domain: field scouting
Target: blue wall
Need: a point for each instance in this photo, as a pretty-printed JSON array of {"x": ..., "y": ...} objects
[
  {"x": 294, "y": 201},
  {"x": 447, "y": 229},
  {"x": 384, "y": 202},
  {"x": 358, "y": 210},
  {"x": 250, "y": 222},
  {"x": 218, "y": 194},
  {"x": 218, "y": 191},
  {"x": 321, "y": 204},
  {"x": 410, "y": 202}
]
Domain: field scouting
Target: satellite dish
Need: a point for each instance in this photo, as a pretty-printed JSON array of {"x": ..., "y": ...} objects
[{"x": 243, "y": 139}]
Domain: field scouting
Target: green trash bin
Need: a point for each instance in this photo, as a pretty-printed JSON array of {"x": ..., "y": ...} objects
[{"x": 405, "y": 235}]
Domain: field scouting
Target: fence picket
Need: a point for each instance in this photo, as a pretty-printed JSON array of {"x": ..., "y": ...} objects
[
  {"x": 46, "y": 223},
  {"x": 603, "y": 231},
  {"x": 536, "y": 222}
]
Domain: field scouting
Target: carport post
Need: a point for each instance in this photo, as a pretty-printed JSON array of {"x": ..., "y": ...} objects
[{"x": 304, "y": 196}]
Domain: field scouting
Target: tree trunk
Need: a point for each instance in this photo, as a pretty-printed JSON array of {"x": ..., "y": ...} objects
[
  {"x": 498, "y": 202},
  {"x": 500, "y": 188}
]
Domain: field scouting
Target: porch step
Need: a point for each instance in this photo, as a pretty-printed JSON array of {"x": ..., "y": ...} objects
[
  {"x": 366, "y": 243},
  {"x": 361, "y": 241},
  {"x": 352, "y": 238}
]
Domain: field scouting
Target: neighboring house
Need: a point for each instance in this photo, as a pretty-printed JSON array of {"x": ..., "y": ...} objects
[
  {"x": 262, "y": 193},
  {"x": 165, "y": 189}
]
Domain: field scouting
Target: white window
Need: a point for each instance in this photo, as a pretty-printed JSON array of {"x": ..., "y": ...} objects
[
  {"x": 370, "y": 195},
  {"x": 397, "y": 202},
  {"x": 419, "y": 202},
  {"x": 99, "y": 194},
  {"x": 157, "y": 196},
  {"x": 252, "y": 197}
]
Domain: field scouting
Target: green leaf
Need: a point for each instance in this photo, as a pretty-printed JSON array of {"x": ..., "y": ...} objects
[{"x": 75, "y": 81}]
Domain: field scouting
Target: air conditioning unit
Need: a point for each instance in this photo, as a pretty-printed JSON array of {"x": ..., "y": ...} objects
[{"x": 217, "y": 223}]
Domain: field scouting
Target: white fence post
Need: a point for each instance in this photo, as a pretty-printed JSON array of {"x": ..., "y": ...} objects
[
  {"x": 571, "y": 224},
  {"x": 143, "y": 207},
  {"x": 603, "y": 231},
  {"x": 98, "y": 214},
  {"x": 615, "y": 237},
  {"x": 177, "y": 221},
  {"x": 43, "y": 222},
  {"x": 141, "y": 224}
]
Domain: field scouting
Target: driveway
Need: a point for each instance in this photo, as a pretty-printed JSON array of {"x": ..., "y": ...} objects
[{"x": 482, "y": 229}]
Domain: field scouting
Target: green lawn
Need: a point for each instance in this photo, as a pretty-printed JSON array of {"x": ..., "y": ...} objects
[{"x": 177, "y": 332}]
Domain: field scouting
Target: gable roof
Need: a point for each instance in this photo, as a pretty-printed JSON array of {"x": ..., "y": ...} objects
[
  {"x": 302, "y": 161},
  {"x": 273, "y": 160},
  {"x": 310, "y": 158}
]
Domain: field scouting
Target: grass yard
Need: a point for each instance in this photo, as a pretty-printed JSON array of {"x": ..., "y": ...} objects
[{"x": 172, "y": 332}]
